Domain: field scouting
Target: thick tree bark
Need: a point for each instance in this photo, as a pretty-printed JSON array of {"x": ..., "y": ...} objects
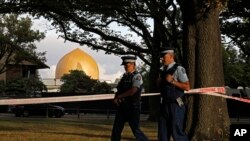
[
  {"x": 154, "y": 101},
  {"x": 207, "y": 117}
]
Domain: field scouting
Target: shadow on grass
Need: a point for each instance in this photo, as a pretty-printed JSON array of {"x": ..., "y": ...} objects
[
  {"x": 87, "y": 135},
  {"x": 7, "y": 128},
  {"x": 96, "y": 128}
]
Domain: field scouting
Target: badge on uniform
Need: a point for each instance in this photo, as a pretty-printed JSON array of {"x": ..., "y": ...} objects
[
  {"x": 183, "y": 70},
  {"x": 138, "y": 77}
]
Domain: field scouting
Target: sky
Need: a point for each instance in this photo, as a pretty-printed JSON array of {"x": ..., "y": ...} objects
[{"x": 109, "y": 65}]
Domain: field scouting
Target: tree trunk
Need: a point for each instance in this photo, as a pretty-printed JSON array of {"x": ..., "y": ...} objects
[
  {"x": 207, "y": 117},
  {"x": 154, "y": 101},
  {"x": 158, "y": 41}
]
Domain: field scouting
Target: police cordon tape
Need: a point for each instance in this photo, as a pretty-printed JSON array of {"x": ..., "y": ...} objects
[{"x": 214, "y": 91}]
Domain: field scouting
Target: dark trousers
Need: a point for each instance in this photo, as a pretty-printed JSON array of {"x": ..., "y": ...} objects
[
  {"x": 132, "y": 116},
  {"x": 171, "y": 122}
]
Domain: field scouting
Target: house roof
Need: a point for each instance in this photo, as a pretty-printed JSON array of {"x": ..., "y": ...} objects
[
  {"x": 37, "y": 63},
  {"x": 23, "y": 57}
]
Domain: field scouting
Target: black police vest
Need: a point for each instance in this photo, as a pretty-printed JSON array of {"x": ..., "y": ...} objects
[
  {"x": 169, "y": 91},
  {"x": 125, "y": 84}
]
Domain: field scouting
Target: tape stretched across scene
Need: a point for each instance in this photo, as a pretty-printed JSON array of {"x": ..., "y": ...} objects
[{"x": 214, "y": 91}]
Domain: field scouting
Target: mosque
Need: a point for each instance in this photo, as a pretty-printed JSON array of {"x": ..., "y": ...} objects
[{"x": 77, "y": 59}]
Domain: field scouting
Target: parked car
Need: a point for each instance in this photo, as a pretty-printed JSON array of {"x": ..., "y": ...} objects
[{"x": 38, "y": 109}]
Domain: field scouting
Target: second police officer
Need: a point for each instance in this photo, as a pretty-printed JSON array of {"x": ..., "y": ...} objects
[{"x": 173, "y": 82}]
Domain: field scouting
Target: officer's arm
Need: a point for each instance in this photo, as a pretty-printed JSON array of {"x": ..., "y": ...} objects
[
  {"x": 183, "y": 82},
  {"x": 182, "y": 85},
  {"x": 127, "y": 93}
]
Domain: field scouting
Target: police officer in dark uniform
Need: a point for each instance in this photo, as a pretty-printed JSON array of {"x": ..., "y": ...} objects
[
  {"x": 173, "y": 82},
  {"x": 127, "y": 99}
]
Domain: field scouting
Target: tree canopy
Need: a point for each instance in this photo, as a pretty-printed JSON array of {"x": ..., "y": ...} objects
[
  {"x": 17, "y": 41},
  {"x": 23, "y": 87},
  {"x": 235, "y": 26},
  {"x": 95, "y": 23}
]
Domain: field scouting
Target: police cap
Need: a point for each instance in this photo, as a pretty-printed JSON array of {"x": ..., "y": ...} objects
[
  {"x": 166, "y": 50},
  {"x": 128, "y": 59}
]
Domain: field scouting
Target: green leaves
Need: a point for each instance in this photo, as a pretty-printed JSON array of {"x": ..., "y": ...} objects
[
  {"x": 17, "y": 41},
  {"x": 78, "y": 82},
  {"x": 236, "y": 26},
  {"x": 24, "y": 87},
  {"x": 236, "y": 69}
]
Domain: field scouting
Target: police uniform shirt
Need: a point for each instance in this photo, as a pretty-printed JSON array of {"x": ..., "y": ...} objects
[{"x": 180, "y": 73}]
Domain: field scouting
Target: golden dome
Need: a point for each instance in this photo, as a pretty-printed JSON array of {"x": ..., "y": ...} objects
[{"x": 77, "y": 60}]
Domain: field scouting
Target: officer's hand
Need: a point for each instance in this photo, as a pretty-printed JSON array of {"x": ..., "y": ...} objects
[
  {"x": 169, "y": 78},
  {"x": 116, "y": 101}
]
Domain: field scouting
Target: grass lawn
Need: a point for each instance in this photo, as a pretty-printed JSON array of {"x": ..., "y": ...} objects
[{"x": 66, "y": 129}]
